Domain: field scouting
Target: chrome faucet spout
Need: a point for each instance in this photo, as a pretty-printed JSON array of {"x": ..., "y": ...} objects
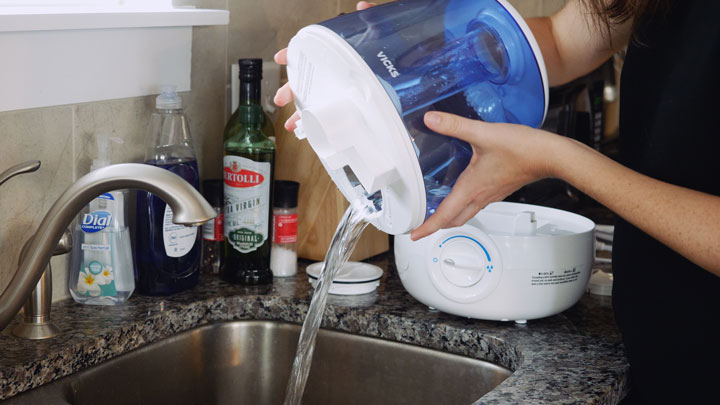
[{"x": 189, "y": 208}]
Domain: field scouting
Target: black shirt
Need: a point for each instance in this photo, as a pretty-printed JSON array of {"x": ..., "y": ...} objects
[{"x": 667, "y": 308}]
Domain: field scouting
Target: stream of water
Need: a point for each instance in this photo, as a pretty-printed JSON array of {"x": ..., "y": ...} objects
[{"x": 343, "y": 243}]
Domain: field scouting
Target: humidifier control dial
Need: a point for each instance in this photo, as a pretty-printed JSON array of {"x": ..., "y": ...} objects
[
  {"x": 465, "y": 267},
  {"x": 462, "y": 261}
]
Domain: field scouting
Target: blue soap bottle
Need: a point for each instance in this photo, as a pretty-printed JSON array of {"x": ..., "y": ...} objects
[{"x": 167, "y": 256}]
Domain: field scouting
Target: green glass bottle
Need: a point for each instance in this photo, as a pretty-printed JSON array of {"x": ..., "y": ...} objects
[
  {"x": 250, "y": 75},
  {"x": 248, "y": 169}
]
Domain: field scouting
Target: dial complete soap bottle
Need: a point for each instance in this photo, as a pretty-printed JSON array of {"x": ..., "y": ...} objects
[
  {"x": 248, "y": 178},
  {"x": 167, "y": 255},
  {"x": 101, "y": 271}
]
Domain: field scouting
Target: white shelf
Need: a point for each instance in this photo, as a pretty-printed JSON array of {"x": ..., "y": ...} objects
[
  {"x": 68, "y": 18},
  {"x": 57, "y": 56}
]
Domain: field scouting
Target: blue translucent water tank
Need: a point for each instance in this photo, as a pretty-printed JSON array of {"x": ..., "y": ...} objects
[
  {"x": 466, "y": 57},
  {"x": 474, "y": 58}
]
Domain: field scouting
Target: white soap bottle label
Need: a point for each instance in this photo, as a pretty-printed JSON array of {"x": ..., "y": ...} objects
[{"x": 178, "y": 239}]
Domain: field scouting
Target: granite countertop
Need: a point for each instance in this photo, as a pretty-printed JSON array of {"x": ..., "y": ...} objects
[{"x": 575, "y": 357}]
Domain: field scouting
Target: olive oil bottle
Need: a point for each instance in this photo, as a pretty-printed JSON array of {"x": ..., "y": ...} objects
[{"x": 248, "y": 169}]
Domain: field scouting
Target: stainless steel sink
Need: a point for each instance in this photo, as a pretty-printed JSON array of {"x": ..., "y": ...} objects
[{"x": 248, "y": 362}]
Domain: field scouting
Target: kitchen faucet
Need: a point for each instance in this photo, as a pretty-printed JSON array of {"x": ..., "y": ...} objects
[{"x": 188, "y": 206}]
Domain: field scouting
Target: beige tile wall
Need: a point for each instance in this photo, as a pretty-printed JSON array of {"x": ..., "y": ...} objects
[
  {"x": 63, "y": 137},
  {"x": 45, "y": 135}
]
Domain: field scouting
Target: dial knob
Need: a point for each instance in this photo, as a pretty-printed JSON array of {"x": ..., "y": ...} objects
[
  {"x": 464, "y": 266},
  {"x": 462, "y": 262}
]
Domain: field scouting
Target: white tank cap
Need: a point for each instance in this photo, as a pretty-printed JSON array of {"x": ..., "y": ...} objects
[{"x": 168, "y": 99}]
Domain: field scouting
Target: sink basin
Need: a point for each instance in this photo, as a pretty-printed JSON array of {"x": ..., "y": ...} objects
[{"x": 248, "y": 362}]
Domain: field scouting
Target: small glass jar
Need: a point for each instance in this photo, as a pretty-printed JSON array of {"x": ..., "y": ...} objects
[
  {"x": 283, "y": 254},
  {"x": 212, "y": 231}
]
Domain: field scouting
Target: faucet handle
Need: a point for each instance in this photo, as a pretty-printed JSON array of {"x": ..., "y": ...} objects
[
  {"x": 26, "y": 167},
  {"x": 64, "y": 245}
]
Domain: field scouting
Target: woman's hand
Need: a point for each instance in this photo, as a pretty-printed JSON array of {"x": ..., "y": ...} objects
[
  {"x": 284, "y": 94},
  {"x": 505, "y": 158}
]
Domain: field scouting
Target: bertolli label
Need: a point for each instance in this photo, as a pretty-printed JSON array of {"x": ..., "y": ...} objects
[{"x": 247, "y": 202}]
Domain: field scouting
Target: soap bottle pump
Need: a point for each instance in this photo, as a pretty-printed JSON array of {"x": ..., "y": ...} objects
[{"x": 101, "y": 271}]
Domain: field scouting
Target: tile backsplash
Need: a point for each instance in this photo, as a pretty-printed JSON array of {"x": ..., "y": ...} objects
[{"x": 63, "y": 137}]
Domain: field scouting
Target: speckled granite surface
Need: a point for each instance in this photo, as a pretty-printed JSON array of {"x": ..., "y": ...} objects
[{"x": 572, "y": 358}]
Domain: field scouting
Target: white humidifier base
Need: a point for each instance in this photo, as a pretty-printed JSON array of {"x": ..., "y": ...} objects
[{"x": 511, "y": 262}]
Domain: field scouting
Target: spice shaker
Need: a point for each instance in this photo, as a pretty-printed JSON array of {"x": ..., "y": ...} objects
[
  {"x": 283, "y": 255},
  {"x": 212, "y": 231}
]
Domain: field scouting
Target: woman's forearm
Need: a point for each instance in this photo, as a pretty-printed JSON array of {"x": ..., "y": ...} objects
[{"x": 685, "y": 220}]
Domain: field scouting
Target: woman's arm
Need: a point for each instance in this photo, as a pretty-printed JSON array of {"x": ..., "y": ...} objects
[
  {"x": 573, "y": 43},
  {"x": 507, "y": 156},
  {"x": 685, "y": 220}
]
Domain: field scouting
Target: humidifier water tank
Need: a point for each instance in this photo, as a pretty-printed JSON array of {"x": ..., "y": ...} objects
[{"x": 363, "y": 81}]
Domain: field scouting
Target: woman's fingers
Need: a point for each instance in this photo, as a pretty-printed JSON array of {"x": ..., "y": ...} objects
[
  {"x": 455, "y": 202},
  {"x": 453, "y": 125},
  {"x": 458, "y": 206},
  {"x": 283, "y": 96},
  {"x": 463, "y": 202},
  {"x": 466, "y": 214},
  {"x": 290, "y": 124},
  {"x": 281, "y": 57},
  {"x": 362, "y": 5}
]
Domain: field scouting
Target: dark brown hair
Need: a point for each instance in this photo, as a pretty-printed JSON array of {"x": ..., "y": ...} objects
[{"x": 608, "y": 13}]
